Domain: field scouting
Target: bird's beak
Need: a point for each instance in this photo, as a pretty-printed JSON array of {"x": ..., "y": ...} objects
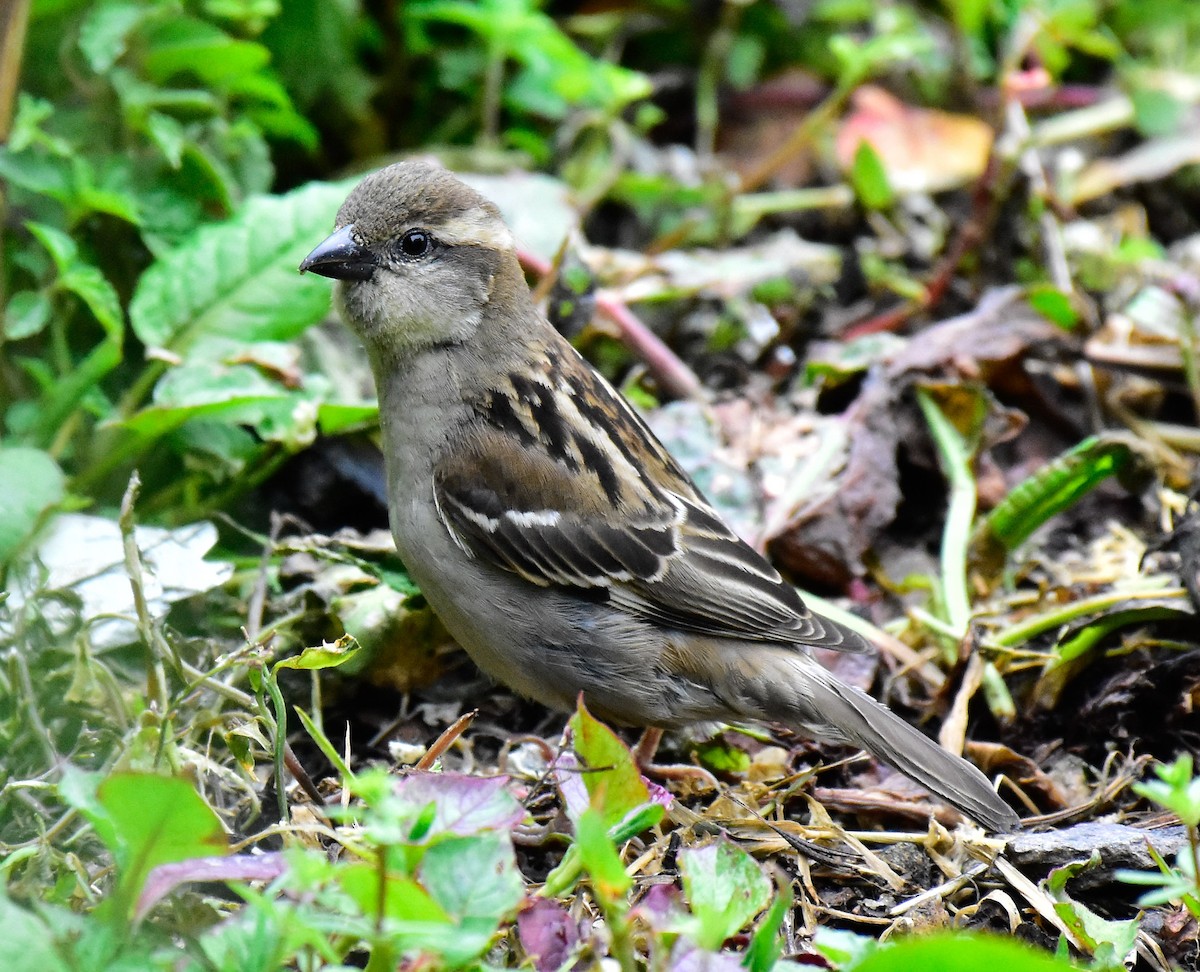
[{"x": 341, "y": 256}]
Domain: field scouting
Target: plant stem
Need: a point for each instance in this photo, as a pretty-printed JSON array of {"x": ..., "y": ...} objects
[{"x": 955, "y": 462}]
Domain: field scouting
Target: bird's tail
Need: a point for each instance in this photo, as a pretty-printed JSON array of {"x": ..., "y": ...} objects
[{"x": 812, "y": 699}]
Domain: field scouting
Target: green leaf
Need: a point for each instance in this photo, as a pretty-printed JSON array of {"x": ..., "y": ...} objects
[
  {"x": 318, "y": 736},
  {"x": 958, "y": 952},
  {"x": 31, "y": 485},
  {"x": 325, "y": 656},
  {"x": 1108, "y": 941},
  {"x": 869, "y": 178},
  {"x": 844, "y": 948},
  {"x": 1076, "y": 648},
  {"x": 28, "y": 130},
  {"x": 720, "y": 757},
  {"x": 146, "y": 820},
  {"x": 59, "y": 245},
  {"x": 331, "y": 73},
  {"x": 1176, "y": 789},
  {"x": 27, "y": 313},
  {"x": 239, "y": 280},
  {"x": 766, "y": 945},
  {"x": 600, "y": 858},
  {"x": 104, "y": 32},
  {"x": 28, "y": 942},
  {"x": 91, "y": 286},
  {"x": 1054, "y": 488},
  {"x": 169, "y": 135},
  {"x": 187, "y": 45},
  {"x": 474, "y": 878},
  {"x": 335, "y": 417},
  {"x": 1054, "y": 305},
  {"x": 401, "y": 898},
  {"x": 235, "y": 394},
  {"x": 1158, "y": 113},
  {"x": 614, "y": 785},
  {"x": 81, "y": 278},
  {"x": 725, "y": 889},
  {"x": 34, "y": 172}
]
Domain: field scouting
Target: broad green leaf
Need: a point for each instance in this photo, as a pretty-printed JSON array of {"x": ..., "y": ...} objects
[
  {"x": 159, "y": 819},
  {"x": 958, "y": 952},
  {"x": 90, "y": 198},
  {"x": 238, "y": 394},
  {"x": 335, "y": 417},
  {"x": 474, "y": 878},
  {"x": 402, "y": 898},
  {"x": 27, "y": 313},
  {"x": 59, "y": 245},
  {"x": 721, "y": 757},
  {"x": 614, "y": 785},
  {"x": 238, "y": 280},
  {"x": 325, "y": 656},
  {"x": 36, "y": 173},
  {"x": 187, "y": 45},
  {"x": 1107, "y": 940},
  {"x": 91, "y": 286},
  {"x": 28, "y": 942},
  {"x": 725, "y": 889},
  {"x": 105, "y": 29},
  {"x": 31, "y": 485},
  {"x": 1054, "y": 305},
  {"x": 146, "y": 820}
]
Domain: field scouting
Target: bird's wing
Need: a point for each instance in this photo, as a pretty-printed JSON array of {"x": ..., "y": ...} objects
[{"x": 573, "y": 490}]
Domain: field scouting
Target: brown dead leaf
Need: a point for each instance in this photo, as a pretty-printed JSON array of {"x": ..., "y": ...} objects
[
  {"x": 922, "y": 150},
  {"x": 995, "y": 758},
  {"x": 825, "y": 540}
]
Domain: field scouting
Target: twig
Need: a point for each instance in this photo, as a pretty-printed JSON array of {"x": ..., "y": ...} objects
[{"x": 445, "y": 741}]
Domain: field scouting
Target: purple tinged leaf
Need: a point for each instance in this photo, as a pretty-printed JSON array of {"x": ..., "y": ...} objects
[
  {"x": 658, "y": 794},
  {"x": 661, "y": 905},
  {"x": 547, "y": 933},
  {"x": 244, "y": 867},
  {"x": 569, "y": 776},
  {"x": 464, "y": 805}
]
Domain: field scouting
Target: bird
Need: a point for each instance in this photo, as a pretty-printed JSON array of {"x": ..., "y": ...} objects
[{"x": 558, "y": 540}]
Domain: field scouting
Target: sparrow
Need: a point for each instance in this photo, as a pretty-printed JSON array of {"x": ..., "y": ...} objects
[{"x": 560, "y": 543}]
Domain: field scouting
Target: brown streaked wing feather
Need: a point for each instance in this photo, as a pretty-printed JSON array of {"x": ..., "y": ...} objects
[
  {"x": 721, "y": 586},
  {"x": 525, "y": 511},
  {"x": 535, "y": 486}
]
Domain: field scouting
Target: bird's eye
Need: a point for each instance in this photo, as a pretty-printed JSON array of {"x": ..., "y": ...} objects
[{"x": 416, "y": 243}]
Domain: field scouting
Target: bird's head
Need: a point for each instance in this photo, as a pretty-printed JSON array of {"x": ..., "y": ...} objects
[{"x": 417, "y": 254}]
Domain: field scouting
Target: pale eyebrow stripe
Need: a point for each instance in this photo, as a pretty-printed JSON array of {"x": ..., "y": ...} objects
[{"x": 476, "y": 228}]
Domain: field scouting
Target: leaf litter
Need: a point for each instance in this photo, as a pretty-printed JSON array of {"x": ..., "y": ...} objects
[{"x": 1079, "y": 663}]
